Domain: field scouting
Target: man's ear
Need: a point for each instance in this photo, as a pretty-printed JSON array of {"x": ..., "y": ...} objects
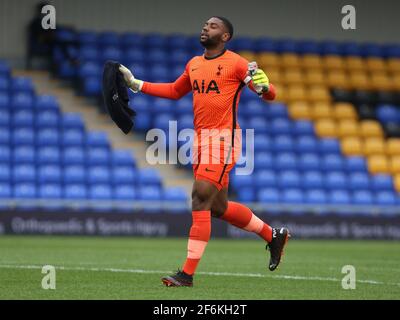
[{"x": 225, "y": 37}]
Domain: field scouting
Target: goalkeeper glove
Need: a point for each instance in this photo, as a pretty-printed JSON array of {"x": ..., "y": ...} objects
[
  {"x": 134, "y": 84},
  {"x": 260, "y": 81}
]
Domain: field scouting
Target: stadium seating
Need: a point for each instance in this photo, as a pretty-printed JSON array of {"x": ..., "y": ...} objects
[
  {"x": 50, "y": 161},
  {"x": 332, "y": 136}
]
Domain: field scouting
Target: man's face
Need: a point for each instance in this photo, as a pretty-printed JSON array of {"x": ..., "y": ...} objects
[{"x": 213, "y": 33}]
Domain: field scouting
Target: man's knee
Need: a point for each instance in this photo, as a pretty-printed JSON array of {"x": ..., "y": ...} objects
[
  {"x": 203, "y": 195},
  {"x": 218, "y": 210}
]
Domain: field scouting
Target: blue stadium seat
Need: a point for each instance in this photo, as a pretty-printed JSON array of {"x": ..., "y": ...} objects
[
  {"x": 332, "y": 162},
  {"x": 91, "y": 86},
  {"x": 308, "y": 47},
  {"x": 157, "y": 56},
  {"x": 185, "y": 122},
  {"x": 100, "y": 191},
  {"x": 330, "y": 48},
  {"x": 97, "y": 139},
  {"x": 242, "y": 181},
  {"x": 88, "y": 53},
  {"x": 245, "y": 195},
  {"x": 98, "y": 174},
  {"x": 180, "y": 56},
  {"x": 339, "y": 197},
  {"x": 184, "y": 106},
  {"x": 351, "y": 49},
  {"x": 73, "y": 137},
  {"x": 124, "y": 192},
  {"x": 316, "y": 196},
  {"x": 24, "y": 173},
  {"x": 149, "y": 177},
  {"x": 47, "y": 137},
  {"x": 312, "y": 180},
  {"x": 48, "y": 155},
  {"x": 286, "y": 161},
  {"x": 180, "y": 41},
  {"x": 5, "y": 118},
  {"x": 5, "y": 191},
  {"x": 149, "y": 193},
  {"x": 254, "y": 109},
  {"x": 285, "y": 45},
  {"x": 123, "y": 175},
  {"x": 174, "y": 194},
  {"x": 110, "y": 53},
  {"x": 329, "y": 145},
  {"x": 75, "y": 191},
  {"x": 359, "y": 181},
  {"x": 22, "y": 101},
  {"x": 309, "y": 161},
  {"x": 66, "y": 70},
  {"x": 281, "y": 126},
  {"x": 72, "y": 120},
  {"x": 24, "y": 154},
  {"x": 24, "y": 190},
  {"x": 265, "y": 179},
  {"x": 263, "y": 160},
  {"x": 162, "y": 106},
  {"x": 161, "y": 122},
  {"x": 4, "y": 136},
  {"x": 22, "y": 84},
  {"x": 276, "y": 110},
  {"x": 89, "y": 69},
  {"x": 269, "y": 195},
  {"x": 4, "y": 68},
  {"x": 362, "y": 197},
  {"x": 134, "y": 55},
  {"x": 23, "y": 136},
  {"x": 46, "y": 102},
  {"x": 98, "y": 156},
  {"x": 49, "y": 174},
  {"x": 264, "y": 45},
  {"x": 282, "y": 143},
  {"x": 372, "y": 50},
  {"x": 160, "y": 73},
  {"x": 73, "y": 155},
  {"x": 23, "y": 118},
  {"x": 292, "y": 196},
  {"x": 87, "y": 38},
  {"x": 336, "y": 180},
  {"x": 355, "y": 164},
  {"x": 5, "y": 154},
  {"x": 5, "y": 173},
  {"x": 288, "y": 179},
  {"x": 143, "y": 122},
  {"x": 388, "y": 113},
  {"x": 392, "y": 50},
  {"x": 243, "y": 43},
  {"x": 131, "y": 39},
  {"x": 122, "y": 158},
  {"x": 382, "y": 182},
  {"x": 385, "y": 198},
  {"x": 155, "y": 40},
  {"x": 4, "y": 83},
  {"x": 74, "y": 174},
  {"x": 108, "y": 38},
  {"x": 262, "y": 143},
  {"x": 4, "y": 101},
  {"x": 303, "y": 128},
  {"x": 260, "y": 126},
  {"x": 50, "y": 191},
  {"x": 47, "y": 119},
  {"x": 306, "y": 144}
]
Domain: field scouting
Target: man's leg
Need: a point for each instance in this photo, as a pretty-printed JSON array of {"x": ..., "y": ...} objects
[
  {"x": 242, "y": 217},
  {"x": 239, "y": 215},
  {"x": 203, "y": 195}
]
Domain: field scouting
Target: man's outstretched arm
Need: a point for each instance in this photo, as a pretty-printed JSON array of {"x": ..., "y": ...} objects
[{"x": 173, "y": 90}]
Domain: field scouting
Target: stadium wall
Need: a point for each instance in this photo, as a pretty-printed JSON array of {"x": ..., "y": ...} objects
[
  {"x": 308, "y": 226},
  {"x": 376, "y": 21}
]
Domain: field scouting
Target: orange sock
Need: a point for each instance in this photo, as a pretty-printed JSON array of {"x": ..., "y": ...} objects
[
  {"x": 198, "y": 239},
  {"x": 242, "y": 217}
]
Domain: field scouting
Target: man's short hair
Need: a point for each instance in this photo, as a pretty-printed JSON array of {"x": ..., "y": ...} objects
[{"x": 227, "y": 24}]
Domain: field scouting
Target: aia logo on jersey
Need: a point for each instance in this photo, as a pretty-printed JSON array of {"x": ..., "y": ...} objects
[{"x": 205, "y": 88}]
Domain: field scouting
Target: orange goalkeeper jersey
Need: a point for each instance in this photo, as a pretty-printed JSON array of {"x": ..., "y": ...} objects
[{"x": 216, "y": 84}]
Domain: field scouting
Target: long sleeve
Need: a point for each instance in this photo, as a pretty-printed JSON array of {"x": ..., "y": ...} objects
[{"x": 174, "y": 90}]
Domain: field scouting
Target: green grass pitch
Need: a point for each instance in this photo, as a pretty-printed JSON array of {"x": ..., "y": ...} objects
[{"x": 131, "y": 268}]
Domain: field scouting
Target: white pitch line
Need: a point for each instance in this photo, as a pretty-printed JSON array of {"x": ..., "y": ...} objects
[{"x": 228, "y": 274}]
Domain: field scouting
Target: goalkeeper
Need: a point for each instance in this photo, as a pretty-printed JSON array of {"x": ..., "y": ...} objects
[{"x": 216, "y": 79}]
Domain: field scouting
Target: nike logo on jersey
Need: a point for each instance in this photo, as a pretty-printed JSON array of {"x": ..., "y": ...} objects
[{"x": 212, "y": 86}]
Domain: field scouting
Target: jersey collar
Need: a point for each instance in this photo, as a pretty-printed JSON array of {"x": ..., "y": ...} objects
[{"x": 215, "y": 57}]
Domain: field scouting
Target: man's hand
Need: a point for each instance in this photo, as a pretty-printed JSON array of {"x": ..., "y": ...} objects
[
  {"x": 131, "y": 82},
  {"x": 260, "y": 81}
]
